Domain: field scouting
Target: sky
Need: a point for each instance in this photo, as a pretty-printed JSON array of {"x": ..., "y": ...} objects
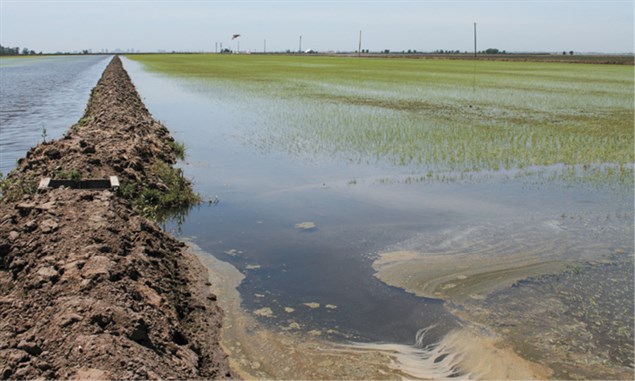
[{"x": 153, "y": 25}]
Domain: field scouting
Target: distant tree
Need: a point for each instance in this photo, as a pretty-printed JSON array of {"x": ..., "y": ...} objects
[
  {"x": 7, "y": 51},
  {"x": 25, "y": 51},
  {"x": 386, "y": 51},
  {"x": 571, "y": 53},
  {"x": 491, "y": 51},
  {"x": 564, "y": 53}
]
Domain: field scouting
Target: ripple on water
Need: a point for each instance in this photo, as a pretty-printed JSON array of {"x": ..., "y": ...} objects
[
  {"x": 559, "y": 297},
  {"x": 40, "y": 98}
]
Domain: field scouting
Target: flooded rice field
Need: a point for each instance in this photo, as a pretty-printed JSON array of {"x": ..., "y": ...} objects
[
  {"x": 435, "y": 267},
  {"x": 387, "y": 250},
  {"x": 40, "y": 97}
]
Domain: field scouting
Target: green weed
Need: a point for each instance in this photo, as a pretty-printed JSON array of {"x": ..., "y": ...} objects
[
  {"x": 67, "y": 175},
  {"x": 172, "y": 192},
  {"x": 12, "y": 189},
  {"x": 179, "y": 149}
]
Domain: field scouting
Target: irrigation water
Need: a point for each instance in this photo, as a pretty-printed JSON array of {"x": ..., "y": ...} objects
[
  {"x": 353, "y": 243},
  {"x": 40, "y": 97},
  {"x": 333, "y": 196}
]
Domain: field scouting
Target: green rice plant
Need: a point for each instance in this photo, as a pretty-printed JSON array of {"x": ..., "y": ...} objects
[{"x": 433, "y": 115}]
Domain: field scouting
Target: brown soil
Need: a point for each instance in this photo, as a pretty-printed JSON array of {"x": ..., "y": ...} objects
[{"x": 89, "y": 288}]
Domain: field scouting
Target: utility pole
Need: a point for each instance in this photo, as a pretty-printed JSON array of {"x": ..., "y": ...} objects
[
  {"x": 359, "y": 50},
  {"x": 474, "y": 40},
  {"x": 216, "y": 47},
  {"x": 300, "y": 49}
]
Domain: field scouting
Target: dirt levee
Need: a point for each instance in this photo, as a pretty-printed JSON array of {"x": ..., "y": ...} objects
[{"x": 89, "y": 288}]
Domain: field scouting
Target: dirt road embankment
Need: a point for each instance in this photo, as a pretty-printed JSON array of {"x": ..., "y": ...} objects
[{"x": 89, "y": 288}]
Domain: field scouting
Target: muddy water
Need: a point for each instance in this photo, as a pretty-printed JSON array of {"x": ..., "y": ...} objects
[
  {"x": 40, "y": 97},
  {"x": 341, "y": 250}
]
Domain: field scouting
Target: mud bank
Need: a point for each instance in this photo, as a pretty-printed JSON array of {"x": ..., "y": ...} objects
[{"x": 89, "y": 288}]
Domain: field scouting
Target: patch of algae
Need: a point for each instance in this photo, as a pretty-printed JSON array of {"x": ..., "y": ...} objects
[
  {"x": 469, "y": 263},
  {"x": 256, "y": 352},
  {"x": 457, "y": 277}
]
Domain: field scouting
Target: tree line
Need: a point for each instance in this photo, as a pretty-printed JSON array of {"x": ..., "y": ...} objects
[{"x": 7, "y": 51}]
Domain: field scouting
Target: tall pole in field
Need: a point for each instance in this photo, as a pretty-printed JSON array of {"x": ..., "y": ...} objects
[
  {"x": 237, "y": 38},
  {"x": 359, "y": 50},
  {"x": 475, "y": 40},
  {"x": 300, "y": 49}
]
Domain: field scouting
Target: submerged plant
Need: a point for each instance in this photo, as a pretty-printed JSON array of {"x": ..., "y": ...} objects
[{"x": 436, "y": 115}]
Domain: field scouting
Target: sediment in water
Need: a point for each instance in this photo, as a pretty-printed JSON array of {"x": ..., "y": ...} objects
[{"x": 90, "y": 288}]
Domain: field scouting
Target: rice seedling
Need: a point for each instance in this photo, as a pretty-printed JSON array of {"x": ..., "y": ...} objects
[{"x": 434, "y": 115}]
